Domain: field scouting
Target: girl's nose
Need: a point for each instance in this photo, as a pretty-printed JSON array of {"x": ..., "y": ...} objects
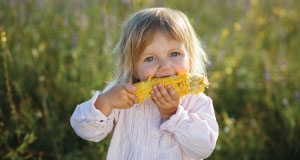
[{"x": 164, "y": 64}]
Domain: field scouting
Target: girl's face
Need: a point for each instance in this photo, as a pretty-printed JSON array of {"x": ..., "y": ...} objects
[{"x": 162, "y": 57}]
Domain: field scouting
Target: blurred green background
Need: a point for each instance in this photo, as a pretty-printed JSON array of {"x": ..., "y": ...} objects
[{"x": 55, "y": 53}]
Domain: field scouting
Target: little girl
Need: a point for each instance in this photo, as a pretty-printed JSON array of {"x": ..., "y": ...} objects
[{"x": 155, "y": 42}]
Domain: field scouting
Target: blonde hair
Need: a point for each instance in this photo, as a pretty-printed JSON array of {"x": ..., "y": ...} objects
[{"x": 139, "y": 30}]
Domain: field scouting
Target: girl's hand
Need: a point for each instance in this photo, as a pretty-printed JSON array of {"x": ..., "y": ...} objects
[
  {"x": 119, "y": 96},
  {"x": 166, "y": 99}
]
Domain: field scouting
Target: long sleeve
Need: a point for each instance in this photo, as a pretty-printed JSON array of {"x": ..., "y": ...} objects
[
  {"x": 90, "y": 123},
  {"x": 194, "y": 126},
  {"x": 138, "y": 132}
]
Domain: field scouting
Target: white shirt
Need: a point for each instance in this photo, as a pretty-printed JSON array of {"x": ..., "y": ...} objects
[{"x": 140, "y": 134}]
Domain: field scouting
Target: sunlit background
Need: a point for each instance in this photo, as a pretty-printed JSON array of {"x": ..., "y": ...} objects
[{"x": 55, "y": 53}]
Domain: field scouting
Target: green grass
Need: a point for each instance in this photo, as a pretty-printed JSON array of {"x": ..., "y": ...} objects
[{"x": 55, "y": 54}]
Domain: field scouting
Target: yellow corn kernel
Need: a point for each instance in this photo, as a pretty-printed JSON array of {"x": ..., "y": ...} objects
[{"x": 183, "y": 84}]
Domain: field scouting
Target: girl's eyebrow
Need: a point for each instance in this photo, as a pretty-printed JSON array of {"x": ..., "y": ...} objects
[
  {"x": 177, "y": 49},
  {"x": 146, "y": 53}
]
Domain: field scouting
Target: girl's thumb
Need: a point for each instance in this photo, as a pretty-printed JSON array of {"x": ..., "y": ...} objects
[{"x": 129, "y": 87}]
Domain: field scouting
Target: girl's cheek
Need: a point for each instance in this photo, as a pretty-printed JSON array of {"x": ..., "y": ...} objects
[
  {"x": 147, "y": 71},
  {"x": 147, "y": 74}
]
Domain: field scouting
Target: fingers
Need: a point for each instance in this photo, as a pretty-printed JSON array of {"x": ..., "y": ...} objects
[
  {"x": 133, "y": 99},
  {"x": 131, "y": 88},
  {"x": 166, "y": 99},
  {"x": 163, "y": 95},
  {"x": 156, "y": 96},
  {"x": 159, "y": 94},
  {"x": 121, "y": 96},
  {"x": 172, "y": 92},
  {"x": 126, "y": 101}
]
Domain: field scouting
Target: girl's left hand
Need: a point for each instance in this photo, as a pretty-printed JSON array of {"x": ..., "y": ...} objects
[{"x": 166, "y": 99}]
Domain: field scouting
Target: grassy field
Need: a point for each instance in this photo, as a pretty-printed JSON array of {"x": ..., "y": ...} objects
[{"x": 55, "y": 54}]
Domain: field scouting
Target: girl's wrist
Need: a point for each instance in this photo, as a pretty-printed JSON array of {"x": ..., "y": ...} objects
[
  {"x": 102, "y": 105},
  {"x": 167, "y": 116}
]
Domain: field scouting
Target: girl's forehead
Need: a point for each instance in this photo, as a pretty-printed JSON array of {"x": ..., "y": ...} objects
[
  {"x": 160, "y": 32},
  {"x": 148, "y": 38}
]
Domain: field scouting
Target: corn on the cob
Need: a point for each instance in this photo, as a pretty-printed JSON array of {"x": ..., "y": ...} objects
[{"x": 183, "y": 84}]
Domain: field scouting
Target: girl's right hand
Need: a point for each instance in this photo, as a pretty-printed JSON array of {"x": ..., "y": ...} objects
[{"x": 120, "y": 96}]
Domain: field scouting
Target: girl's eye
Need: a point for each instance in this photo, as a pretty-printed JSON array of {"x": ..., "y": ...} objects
[
  {"x": 174, "y": 54},
  {"x": 149, "y": 59}
]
